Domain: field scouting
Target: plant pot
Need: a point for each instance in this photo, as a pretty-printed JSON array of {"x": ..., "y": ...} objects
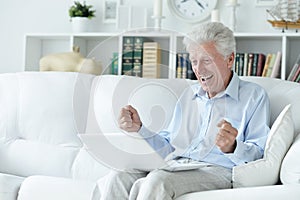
[{"x": 80, "y": 24}]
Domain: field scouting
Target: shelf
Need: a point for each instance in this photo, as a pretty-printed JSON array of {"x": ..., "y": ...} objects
[{"x": 101, "y": 46}]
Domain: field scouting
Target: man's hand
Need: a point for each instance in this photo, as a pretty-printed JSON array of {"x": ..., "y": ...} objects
[
  {"x": 129, "y": 119},
  {"x": 225, "y": 139}
]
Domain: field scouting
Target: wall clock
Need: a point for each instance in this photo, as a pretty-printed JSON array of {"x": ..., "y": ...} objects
[{"x": 192, "y": 11}]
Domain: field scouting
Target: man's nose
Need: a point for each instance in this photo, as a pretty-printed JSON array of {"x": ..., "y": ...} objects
[{"x": 199, "y": 67}]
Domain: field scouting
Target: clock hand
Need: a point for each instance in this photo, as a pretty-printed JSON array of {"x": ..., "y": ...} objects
[
  {"x": 182, "y": 1},
  {"x": 200, "y": 4}
]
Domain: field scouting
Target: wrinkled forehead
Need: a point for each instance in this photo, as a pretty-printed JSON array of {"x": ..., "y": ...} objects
[{"x": 202, "y": 50}]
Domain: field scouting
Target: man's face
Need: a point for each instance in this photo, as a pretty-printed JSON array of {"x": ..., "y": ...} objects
[{"x": 212, "y": 70}]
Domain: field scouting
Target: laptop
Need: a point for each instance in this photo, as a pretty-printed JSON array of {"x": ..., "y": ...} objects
[
  {"x": 130, "y": 152},
  {"x": 122, "y": 151}
]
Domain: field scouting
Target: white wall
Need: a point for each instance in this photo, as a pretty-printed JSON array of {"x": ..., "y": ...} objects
[{"x": 18, "y": 17}]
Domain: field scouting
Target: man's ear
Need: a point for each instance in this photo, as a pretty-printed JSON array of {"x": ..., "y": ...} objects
[{"x": 230, "y": 60}]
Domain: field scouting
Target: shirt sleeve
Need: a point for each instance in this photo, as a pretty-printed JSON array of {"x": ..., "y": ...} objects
[
  {"x": 255, "y": 135},
  {"x": 159, "y": 142}
]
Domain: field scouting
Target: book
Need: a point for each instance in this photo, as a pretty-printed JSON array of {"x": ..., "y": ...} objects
[
  {"x": 294, "y": 69},
  {"x": 254, "y": 64},
  {"x": 151, "y": 60},
  {"x": 179, "y": 65},
  {"x": 138, "y": 55},
  {"x": 267, "y": 64},
  {"x": 276, "y": 66},
  {"x": 237, "y": 63},
  {"x": 114, "y": 63},
  {"x": 250, "y": 64},
  {"x": 184, "y": 65},
  {"x": 271, "y": 65},
  {"x": 241, "y": 64},
  {"x": 127, "y": 56},
  {"x": 298, "y": 78},
  {"x": 260, "y": 64},
  {"x": 297, "y": 73},
  {"x": 245, "y": 68},
  {"x": 190, "y": 72}
]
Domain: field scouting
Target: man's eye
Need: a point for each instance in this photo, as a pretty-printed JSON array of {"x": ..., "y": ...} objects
[{"x": 207, "y": 61}]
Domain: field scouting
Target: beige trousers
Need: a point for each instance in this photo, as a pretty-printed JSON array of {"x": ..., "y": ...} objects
[{"x": 162, "y": 184}]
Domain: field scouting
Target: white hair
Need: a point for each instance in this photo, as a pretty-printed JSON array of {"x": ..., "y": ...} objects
[{"x": 216, "y": 32}]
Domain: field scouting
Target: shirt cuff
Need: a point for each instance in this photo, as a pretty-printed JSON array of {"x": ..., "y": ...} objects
[
  {"x": 238, "y": 154},
  {"x": 145, "y": 133}
]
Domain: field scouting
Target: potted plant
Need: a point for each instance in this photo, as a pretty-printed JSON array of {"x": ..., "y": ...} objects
[{"x": 80, "y": 14}]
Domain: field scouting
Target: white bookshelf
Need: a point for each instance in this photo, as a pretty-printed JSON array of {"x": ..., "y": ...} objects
[{"x": 102, "y": 45}]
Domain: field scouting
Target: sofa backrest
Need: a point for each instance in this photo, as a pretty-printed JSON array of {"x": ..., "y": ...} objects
[
  {"x": 154, "y": 99},
  {"x": 38, "y": 123}
]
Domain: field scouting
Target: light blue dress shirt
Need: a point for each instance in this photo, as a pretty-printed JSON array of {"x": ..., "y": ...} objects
[{"x": 193, "y": 128}]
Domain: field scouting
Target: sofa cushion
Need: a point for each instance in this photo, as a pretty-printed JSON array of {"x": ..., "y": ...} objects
[
  {"x": 265, "y": 171},
  {"x": 9, "y": 186},
  {"x": 290, "y": 169},
  {"x": 85, "y": 167},
  {"x": 25, "y": 158},
  {"x": 50, "y": 188},
  {"x": 40, "y": 116}
]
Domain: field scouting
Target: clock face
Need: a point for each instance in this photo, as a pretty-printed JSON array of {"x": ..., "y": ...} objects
[{"x": 192, "y": 11}]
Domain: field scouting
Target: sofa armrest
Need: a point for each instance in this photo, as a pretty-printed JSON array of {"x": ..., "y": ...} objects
[
  {"x": 274, "y": 192},
  {"x": 49, "y": 188}
]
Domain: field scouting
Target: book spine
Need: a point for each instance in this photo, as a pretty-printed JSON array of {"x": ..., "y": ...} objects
[
  {"x": 190, "y": 72},
  {"x": 270, "y": 68},
  {"x": 250, "y": 64},
  {"x": 267, "y": 64},
  {"x": 298, "y": 78},
  {"x": 260, "y": 64},
  {"x": 294, "y": 69},
  {"x": 296, "y": 74},
  {"x": 127, "y": 56},
  {"x": 137, "y": 56},
  {"x": 236, "y": 63},
  {"x": 178, "y": 65},
  {"x": 114, "y": 63},
  {"x": 184, "y": 65},
  {"x": 254, "y": 64},
  {"x": 276, "y": 67},
  {"x": 241, "y": 64},
  {"x": 245, "y": 70}
]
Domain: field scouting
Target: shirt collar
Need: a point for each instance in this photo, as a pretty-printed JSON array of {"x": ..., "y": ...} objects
[{"x": 232, "y": 89}]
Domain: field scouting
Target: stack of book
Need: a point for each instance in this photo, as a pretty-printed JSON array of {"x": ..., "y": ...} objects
[
  {"x": 151, "y": 60},
  {"x": 258, "y": 64},
  {"x": 184, "y": 68},
  {"x": 295, "y": 73}
]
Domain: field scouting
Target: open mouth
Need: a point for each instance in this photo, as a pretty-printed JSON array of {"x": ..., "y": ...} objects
[{"x": 205, "y": 78}]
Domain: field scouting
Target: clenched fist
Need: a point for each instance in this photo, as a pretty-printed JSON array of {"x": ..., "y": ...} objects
[
  {"x": 129, "y": 119},
  {"x": 225, "y": 139}
]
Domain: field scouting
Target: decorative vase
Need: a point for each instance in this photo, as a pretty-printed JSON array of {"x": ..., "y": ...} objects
[{"x": 80, "y": 24}]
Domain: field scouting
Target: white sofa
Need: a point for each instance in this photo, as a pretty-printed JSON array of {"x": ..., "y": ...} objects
[{"x": 42, "y": 113}]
